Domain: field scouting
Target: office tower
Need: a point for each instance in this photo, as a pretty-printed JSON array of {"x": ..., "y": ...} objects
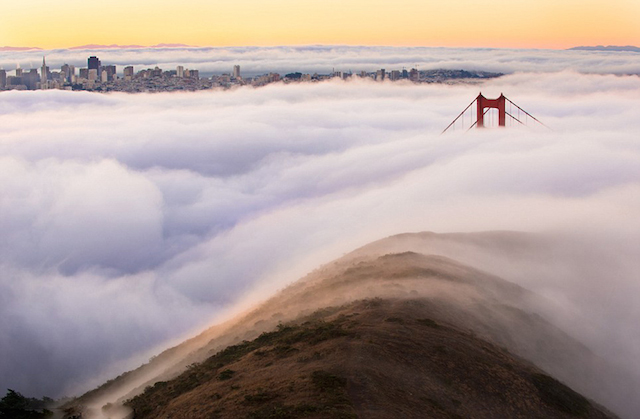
[
  {"x": 31, "y": 79},
  {"x": 43, "y": 75},
  {"x": 18, "y": 71},
  {"x": 195, "y": 74},
  {"x": 180, "y": 71},
  {"x": 93, "y": 63},
  {"x": 93, "y": 74},
  {"x": 128, "y": 73},
  {"x": 68, "y": 71},
  {"x": 65, "y": 70},
  {"x": 111, "y": 72},
  {"x": 3, "y": 79},
  {"x": 236, "y": 71},
  {"x": 414, "y": 75},
  {"x": 380, "y": 74},
  {"x": 104, "y": 76},
  {"x": 84, "y": 73}
]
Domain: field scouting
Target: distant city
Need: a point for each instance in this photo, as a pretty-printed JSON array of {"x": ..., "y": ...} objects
[{"x": 105, "y": 78}]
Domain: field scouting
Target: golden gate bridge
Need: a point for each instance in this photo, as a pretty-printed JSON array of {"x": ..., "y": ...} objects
[{"x": 500, "y": 112}]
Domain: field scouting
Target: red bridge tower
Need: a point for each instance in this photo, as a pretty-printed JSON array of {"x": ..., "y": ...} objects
[
  {"x": 503, "y": 105},
  {"x": 499, "y": 104}
]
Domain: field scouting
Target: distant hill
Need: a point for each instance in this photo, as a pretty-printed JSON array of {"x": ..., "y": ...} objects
[
  {"x": 6, "y": 48},
  {"x": 389, "y": 330},
  {"x": 115, "y": 46},
  {"x": 627, "y": 48}
]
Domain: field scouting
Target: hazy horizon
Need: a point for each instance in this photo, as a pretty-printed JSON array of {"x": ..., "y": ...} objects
[
  {"x": 327, "y": 58},
  {"x": 183, "y": 45}
]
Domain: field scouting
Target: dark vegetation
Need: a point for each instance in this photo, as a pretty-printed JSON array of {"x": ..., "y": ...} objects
[
  {"x": 285, "y": 341},
  {"x": 295, "y": 76},
  {"x": 16, "y": 406},
  {"x": 559, "y": 396}
]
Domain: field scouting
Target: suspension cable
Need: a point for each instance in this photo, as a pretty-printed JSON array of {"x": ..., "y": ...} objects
[{"x": 461, "y": 113}]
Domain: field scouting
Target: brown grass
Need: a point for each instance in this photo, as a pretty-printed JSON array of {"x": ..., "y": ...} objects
[{"x": 370, "y": 359}]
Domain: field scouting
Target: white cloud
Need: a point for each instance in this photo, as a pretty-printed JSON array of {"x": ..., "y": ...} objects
[{"x": 128, "y": 220}]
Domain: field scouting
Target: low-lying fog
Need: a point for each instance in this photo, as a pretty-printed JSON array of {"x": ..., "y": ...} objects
[{"x": 130, "y": 221}]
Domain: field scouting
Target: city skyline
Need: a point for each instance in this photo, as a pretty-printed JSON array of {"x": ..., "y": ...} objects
[
  {"x": 101, "y": 77},
  {"x": 501, "y": 24}
]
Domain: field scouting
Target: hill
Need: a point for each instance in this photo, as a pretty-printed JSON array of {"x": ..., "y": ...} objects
[
  {"x": 627, "y": 48},
  {"x": 382, "y": 332},
  {"x": 372, "y": 359}
]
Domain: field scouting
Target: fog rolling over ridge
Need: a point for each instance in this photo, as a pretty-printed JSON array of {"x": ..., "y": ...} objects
[
  {"x": 130, "y": 221},
  {"x": 378, "y": 298}
]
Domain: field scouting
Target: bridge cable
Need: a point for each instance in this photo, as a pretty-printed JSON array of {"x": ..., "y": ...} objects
[{"x": 458, "y": 117}]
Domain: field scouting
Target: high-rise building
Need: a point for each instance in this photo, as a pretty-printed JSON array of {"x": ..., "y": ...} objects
[
  {"x": 414, "y": 75},
  {"x": 84, "y": 73},
  {"x": 380, "y": 74},
  {"x": 93, "y": 74},
  {"x": 180, "y": 71},
  {"x": 18, "y": 71},
  {"x": 31, "y": 79},
  {"x": 93, "y": 63},
  {"x": 3, "y": 79},
  {"x": 104, "y": 76},
  {"x": 43, "y": 74},
  {"x": 128, "y": 73},
  {"x": 68, "y": 71},
  {"x": 111, "y": 72},
  {"x": 236, "y": 71}
]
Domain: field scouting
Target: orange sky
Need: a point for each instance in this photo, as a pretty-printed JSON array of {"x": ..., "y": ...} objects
[{"x": 495, "y": 23}]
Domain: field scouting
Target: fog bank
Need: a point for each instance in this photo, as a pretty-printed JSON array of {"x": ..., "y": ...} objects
[{"x": 132, "y": 220}]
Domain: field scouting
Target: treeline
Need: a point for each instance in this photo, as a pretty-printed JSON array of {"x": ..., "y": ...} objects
[{"x": 16, "y": 406}]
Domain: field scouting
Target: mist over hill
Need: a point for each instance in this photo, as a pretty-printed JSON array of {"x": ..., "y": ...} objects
[{"x": 411, "y": 330}]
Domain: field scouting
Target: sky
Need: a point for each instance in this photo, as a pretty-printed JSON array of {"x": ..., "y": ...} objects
[
  {"x": 132, "y": 221},
  {"x": 461, "y": 23}
]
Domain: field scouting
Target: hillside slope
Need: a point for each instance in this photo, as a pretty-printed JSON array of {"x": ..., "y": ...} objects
[
  {"x": 475, "y": 308},
  {"x": 372, "y": 358}
]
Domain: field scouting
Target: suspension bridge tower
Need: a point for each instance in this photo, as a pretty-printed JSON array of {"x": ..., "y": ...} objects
[
  {"x": 506, "y": 110},
  {"x": 483, "y": 103}
]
